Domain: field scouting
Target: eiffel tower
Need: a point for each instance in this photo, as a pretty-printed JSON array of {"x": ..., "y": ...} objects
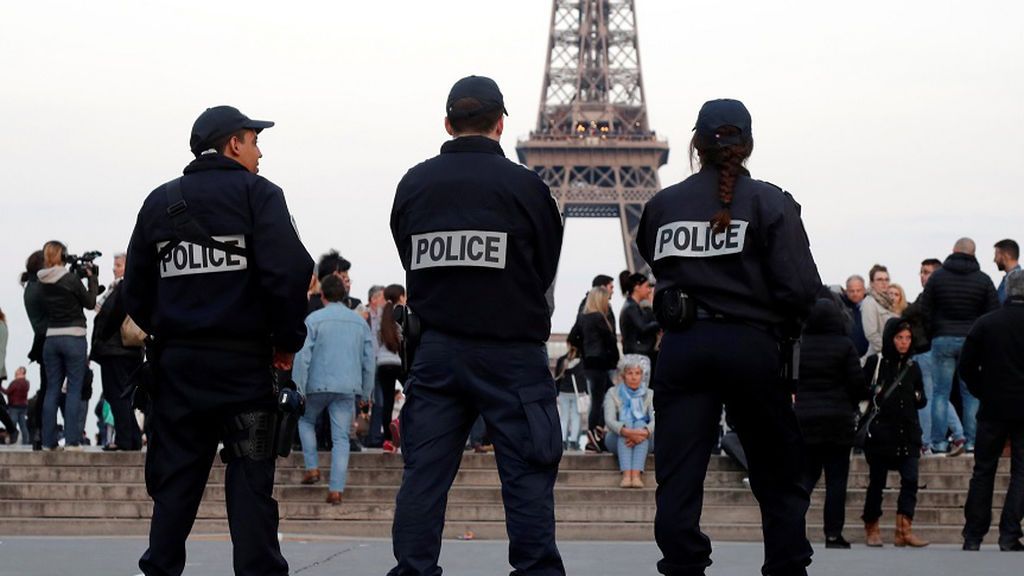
[{"x": 593, "y": 144}]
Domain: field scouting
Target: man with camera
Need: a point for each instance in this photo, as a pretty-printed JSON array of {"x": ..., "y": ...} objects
[{"x": 217, "y": 275}]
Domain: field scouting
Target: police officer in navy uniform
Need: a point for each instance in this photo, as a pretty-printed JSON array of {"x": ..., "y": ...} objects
[
  {"x": 225, "y": 305},
  {"x": 735, "y": 278},
  {"x": 479, "y": 238}
]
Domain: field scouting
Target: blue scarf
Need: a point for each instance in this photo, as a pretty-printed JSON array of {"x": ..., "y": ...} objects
[{"x": 633, "y": 414}]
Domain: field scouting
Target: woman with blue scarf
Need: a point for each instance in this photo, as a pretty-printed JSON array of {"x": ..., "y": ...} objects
[{"x": 629, "y": 416}]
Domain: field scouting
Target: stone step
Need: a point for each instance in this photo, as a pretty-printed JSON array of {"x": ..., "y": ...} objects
[
  {"x": 375, "y": 459},
  {"x": 564, "y": 495},
  {"x": 567, "y": 531},
  {"x": 465, "y": 477},
  {"x": 456, "y": 512}
]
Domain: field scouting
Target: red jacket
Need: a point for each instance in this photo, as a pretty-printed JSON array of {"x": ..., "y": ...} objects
[{"x": 17, "y": 393}]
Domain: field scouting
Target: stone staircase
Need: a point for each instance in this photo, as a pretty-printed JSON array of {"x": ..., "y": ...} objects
[{"x": 96, "y": 493}]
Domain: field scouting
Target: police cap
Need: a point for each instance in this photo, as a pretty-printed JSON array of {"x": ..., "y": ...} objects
[
  {"x": 218, "y": 122},
  {"x": 715, "y": 114},
  {"x": 480, "y": 88}
]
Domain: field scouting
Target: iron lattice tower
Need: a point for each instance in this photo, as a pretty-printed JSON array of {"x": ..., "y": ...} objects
[{"x": 593, "y": 144}]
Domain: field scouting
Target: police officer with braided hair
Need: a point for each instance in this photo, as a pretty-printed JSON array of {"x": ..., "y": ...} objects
[
  {"x": 216, "y": 273},
  {"x": 479, "y": 237},
  {"x": 735, "y": 277}
]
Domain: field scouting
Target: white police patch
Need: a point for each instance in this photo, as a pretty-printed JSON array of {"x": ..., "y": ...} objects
[
  {"x": 188, "y": 258},
  {"x": 697, "y": 240},
  {"x": 477, "y": 248}
]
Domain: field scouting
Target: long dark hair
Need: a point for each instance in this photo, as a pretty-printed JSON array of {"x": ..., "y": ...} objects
[
  {"x": 33, "y": 264},
  {"x": 389, "y": 335},
  {"x": 729, "y": 160}
]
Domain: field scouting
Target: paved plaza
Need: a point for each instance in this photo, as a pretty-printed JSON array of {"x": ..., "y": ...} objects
[{"x": 211, "y": 556}]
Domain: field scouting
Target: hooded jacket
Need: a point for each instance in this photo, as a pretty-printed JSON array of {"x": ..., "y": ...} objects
[
  {"x": 896, "y": 431},
  {"x": 992, "y": 362},
  {"x": 831, "y": 382},
  {"x": 956, "y": 295},
  {"x": 66, "y": 299}
]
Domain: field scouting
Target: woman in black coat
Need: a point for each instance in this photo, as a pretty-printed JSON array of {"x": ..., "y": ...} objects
[
  {"x": 894, "y": 436},
  {"x": 831, "y": 384},
  {"x": 600, "y": 352}
]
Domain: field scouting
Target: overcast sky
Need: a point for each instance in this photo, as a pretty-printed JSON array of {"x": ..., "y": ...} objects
[{"x": 896, "y": 124}]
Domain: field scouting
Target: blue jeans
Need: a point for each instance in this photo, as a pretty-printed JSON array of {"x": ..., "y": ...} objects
[
  {"x": 64, "y": 357},
  {"x": 569, "y": 415},
  {"x": 946, "y": 354},
  {"x": 341, "y": 409},
  {"x": 20, "y": 416},
  {"x": 927, "y": 365},
  {"x": 629, "y": 458}
]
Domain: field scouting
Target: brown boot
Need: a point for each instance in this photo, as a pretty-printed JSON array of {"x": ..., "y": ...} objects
[
  {"x": 872, "y": 535},
  {"x": 334, "y": 498},
  {"x": 905, "y": 534},
  {"x": 311, "y": 477}
]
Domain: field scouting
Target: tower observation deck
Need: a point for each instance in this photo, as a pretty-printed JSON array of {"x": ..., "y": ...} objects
[{"x": 593, "y": 144}]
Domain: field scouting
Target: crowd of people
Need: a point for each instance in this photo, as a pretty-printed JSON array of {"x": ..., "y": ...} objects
[
  {"x": 897, "y": 380},
  {"x": 894, "y": 379},
  {"x": 349, "y": 369}
]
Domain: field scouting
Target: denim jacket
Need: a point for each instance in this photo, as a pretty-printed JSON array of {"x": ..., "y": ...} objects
[{"x": 337, "y": 355}]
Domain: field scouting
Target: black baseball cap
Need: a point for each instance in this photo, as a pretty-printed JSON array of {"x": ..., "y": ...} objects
[
  {"x": 218, "y": 122},
  {"x": 480, "y": 88},
  {"x": 715, "y": 114}
]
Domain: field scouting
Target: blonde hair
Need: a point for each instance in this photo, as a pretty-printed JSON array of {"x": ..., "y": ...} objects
[
  {"x": 597, "y": 301},
  {"x": 53, "y": 254},
  {"x": 899, "y": 306}
]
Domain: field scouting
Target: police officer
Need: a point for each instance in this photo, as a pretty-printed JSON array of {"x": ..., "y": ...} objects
[
  {"x": 216, "y": 273},
  {"x": 735, "y": 274},
  {"x": 479, "y": 238}
]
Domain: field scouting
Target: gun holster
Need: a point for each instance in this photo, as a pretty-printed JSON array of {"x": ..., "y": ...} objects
[
  {"x": 674, "y": 309},
  {"x": 250, "y": 435}
]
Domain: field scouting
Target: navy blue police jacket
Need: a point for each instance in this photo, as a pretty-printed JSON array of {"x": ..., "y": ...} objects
[
  {"x": 758, "y": 270},
  {"x": 197, "y": 293},
  {"x": 479, "y": 237}
]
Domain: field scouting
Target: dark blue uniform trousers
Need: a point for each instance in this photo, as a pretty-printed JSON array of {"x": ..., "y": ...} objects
[
  {"x": 182, "y": 445},
  {"x": 451, "y": 382},
  {"x": 698, "y": 370}
]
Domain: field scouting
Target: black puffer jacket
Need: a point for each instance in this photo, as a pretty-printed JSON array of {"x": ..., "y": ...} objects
[
  {"x": 896, "y": 431},
  {"x": 600, "y": 351},
  {"x": 915, "y": 316},
  {"x": 956, "y": 295},
  {"x": 831, "y": 382}
]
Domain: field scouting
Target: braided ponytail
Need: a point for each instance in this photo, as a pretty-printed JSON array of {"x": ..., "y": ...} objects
[{"x": 729, "y": 161}]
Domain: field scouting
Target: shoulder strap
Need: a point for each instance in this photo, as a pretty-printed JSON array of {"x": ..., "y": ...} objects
[
  {"x": 186, "y": 228},
  {"x": 896, "y": 382}
]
